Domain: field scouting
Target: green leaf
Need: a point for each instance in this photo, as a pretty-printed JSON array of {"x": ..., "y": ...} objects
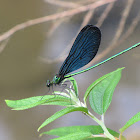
[
  {"x": 101, "y": 91},
  {"x": 60, "y": 103},
  {"x": 133, "y": 120},
  {"x": 38, "y": 100},
  {"x": 91, "y": 129},
  {"x": 75, "y": 136},
  {"x": 73, "y": 81},
  {"x": 62, "y": 113}
]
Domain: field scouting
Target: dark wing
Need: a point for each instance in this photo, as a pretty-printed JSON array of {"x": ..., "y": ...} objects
[{"x": 83, "y": 50}]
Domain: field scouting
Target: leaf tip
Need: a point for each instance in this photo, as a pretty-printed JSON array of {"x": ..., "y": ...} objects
[
  {"x": 40, "y": 135},
  {"x": 6, "y": 101},
  {"x": 38, "y": 129}
]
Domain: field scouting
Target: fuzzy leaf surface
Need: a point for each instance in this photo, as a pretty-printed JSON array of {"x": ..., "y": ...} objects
[
  {"x": 92, "y": 129},
  {"x": 133, "y": 120},
  {"x": 75, "y": 136},
  {"x": 101, "y": 91},
  {"x": 38, "y": 100},
  {"x": 62, "y": 113}
]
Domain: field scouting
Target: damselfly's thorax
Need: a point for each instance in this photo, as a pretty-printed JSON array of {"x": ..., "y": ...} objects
[{"x": 56, "y": 80}]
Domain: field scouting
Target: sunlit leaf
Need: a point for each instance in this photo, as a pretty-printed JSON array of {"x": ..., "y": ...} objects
[
  {"x": 62, "y": 113},
  {"x": 133, "y": 120},
  {"x": 75, "y": 136},
  {"x": 38, "y": 100},
  {"x": 92, "y": 129},
  {"x": 73, "y": 81},
  {"x": 101, "y": 91}
]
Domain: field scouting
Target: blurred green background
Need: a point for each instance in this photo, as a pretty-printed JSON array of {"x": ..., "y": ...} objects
[{"x": 23, "y": 73}]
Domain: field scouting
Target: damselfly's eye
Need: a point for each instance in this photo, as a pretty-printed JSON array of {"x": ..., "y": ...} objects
[
  {"x": 56, "y": 77},
  {"x": 48, "y": 83}
]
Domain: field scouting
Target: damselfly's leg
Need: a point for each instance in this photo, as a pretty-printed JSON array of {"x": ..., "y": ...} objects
[{"x": 45, "y": 94}]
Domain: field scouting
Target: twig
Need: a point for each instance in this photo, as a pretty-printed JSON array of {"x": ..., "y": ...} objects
[
  {"x": 117, "y": 35},
  {"x": 55, "y": 25},
  {"x": 3, "y": 44},
  {"x": 52, "y": 17},
  {"x": 63, "y": 3},
  {"x": 63, "y": 54},
  {"x": 105, "y": 14},
  {"x": 86, "y": 20},
  {"x": 130, "y": 29},
  {"x": 87, "y": 1},
  {"x": 67, "y": 4},
  {"x": 122, "y": 22}
]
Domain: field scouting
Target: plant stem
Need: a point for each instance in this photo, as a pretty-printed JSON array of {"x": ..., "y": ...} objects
[
  {"x": 120, "y": 137},
  {"x": 106, "y": 132}
]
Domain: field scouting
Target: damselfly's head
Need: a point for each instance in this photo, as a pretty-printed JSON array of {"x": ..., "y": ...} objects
[
  {"x": 48, "y": 83},
  {"x": 56, "y": 80}
]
